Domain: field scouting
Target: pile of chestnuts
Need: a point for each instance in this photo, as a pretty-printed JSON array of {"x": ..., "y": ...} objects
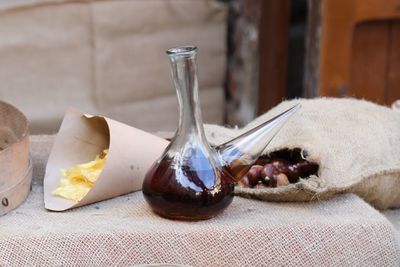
[{"x": 279, "y": 169}]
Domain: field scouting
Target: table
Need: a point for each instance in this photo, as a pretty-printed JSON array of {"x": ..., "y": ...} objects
[{"x": 123, "y": 231}]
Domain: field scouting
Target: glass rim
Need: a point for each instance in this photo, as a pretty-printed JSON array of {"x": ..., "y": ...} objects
[{"x": 187, "y": 50}]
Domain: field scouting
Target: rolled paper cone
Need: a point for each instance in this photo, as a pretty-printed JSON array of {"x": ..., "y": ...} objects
[{"x": 81, "y": 137}]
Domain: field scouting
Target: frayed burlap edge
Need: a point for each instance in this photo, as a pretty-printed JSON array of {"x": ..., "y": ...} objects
[{"x": 368, "y": 187}]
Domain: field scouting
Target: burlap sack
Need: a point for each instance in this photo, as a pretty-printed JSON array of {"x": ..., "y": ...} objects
[{"x": 356, "y": 144}]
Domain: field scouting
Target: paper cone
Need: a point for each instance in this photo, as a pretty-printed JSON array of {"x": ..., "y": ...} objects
[{"x": 82, "y": 137}]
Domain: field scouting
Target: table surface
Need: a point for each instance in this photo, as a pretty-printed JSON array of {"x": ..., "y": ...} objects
[{"x": 123, "y": 231}]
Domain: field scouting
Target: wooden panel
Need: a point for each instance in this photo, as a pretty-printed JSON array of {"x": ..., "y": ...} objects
[
  {"x": 313, "y": 36},
  {"x": 375, "y": 9},
  {"x": 393, "y": 75},
  {"x": 336, "y": 36},
  {"x": 273, "y": 46},
  {"x": 337, "y": 76},
  {"x": 369, "y": 61}
]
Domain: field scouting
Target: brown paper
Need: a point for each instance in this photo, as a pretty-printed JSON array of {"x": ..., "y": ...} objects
[{"x": 82, "y": 137}]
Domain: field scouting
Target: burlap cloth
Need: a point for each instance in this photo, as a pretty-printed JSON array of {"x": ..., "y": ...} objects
[
  {"x": 356, "y": 144},
  {"x": 344, "y": 231}
]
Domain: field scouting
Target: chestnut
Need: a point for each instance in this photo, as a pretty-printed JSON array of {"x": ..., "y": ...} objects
[
  {"x": 245, "y": 181},
  {"x": 273, "y": 181},
  {"x": 260, "y": 186},
  {"x": 282, "y": 179},
  {"x": 254, "y": 174},
  {"x": 269, "y": 170}
]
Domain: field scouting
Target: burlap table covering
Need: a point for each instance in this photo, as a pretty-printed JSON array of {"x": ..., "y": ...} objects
[{"x": 344, "y": 231}]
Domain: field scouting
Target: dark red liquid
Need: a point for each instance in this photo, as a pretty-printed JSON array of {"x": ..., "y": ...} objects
[{"x": 187, "y": 190}]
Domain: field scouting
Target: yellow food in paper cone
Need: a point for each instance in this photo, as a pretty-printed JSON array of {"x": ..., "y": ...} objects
[{"x": 80, "y": 179}]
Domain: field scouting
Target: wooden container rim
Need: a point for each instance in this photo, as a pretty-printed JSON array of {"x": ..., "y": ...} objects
[{"x": 25, "y": 131}]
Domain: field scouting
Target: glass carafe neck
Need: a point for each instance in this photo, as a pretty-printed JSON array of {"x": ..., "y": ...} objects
[{"x": 184, "y": 73}]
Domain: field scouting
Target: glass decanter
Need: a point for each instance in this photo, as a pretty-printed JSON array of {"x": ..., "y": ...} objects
[{"x": 192, "y": 180}]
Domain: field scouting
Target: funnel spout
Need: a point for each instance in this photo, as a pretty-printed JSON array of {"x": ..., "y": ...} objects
[{"x": 241, "y": 152}]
